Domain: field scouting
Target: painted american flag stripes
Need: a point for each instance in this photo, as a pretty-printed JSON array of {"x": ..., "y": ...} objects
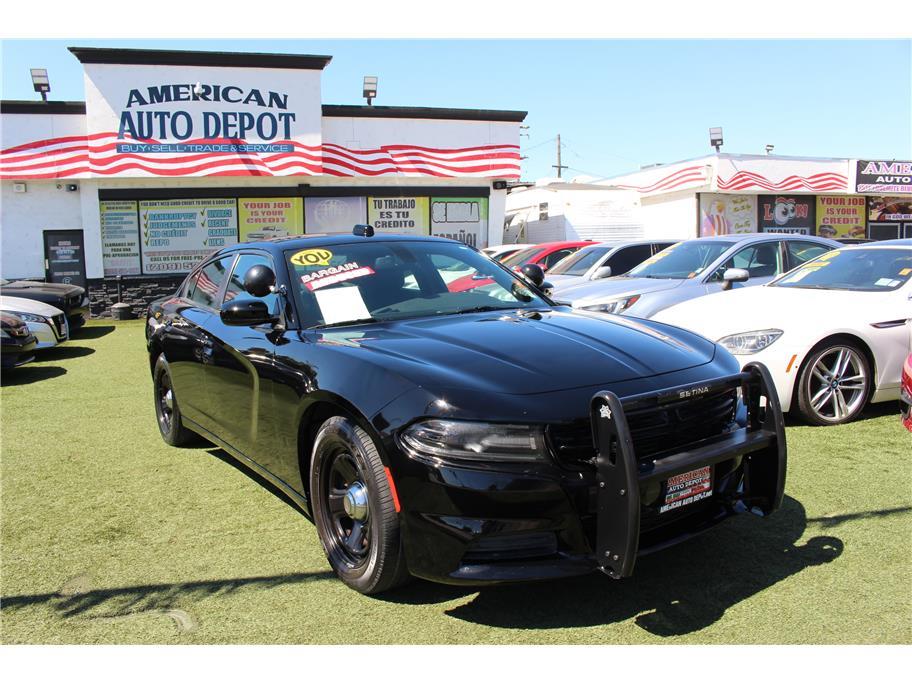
[{"x": 97, "y": 155}]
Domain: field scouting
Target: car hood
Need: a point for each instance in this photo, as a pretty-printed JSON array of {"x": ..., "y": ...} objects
[
  {"x": 589, "y": 293},
  {"x": 524, "y": 353},
  {"x": 788, "y": 308},
  {"x": 47, "y": 288},
  {"x": 16, "y": 304}
]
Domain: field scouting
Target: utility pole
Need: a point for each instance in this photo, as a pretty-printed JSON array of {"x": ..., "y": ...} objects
[{"x": 559, "y": 166}]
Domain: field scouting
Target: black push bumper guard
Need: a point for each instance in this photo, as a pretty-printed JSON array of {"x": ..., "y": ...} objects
[{"x": 761, "y": 443}]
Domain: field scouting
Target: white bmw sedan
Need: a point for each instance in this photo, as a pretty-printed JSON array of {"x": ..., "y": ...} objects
[{"x": 833, "y": 332}]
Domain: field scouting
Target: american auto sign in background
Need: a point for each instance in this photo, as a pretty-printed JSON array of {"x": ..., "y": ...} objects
[
  {"x": 883, "y": 177},
  {"x": 186, "y": 120}
]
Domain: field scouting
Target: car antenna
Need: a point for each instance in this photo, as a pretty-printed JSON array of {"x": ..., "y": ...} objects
[{"x": 363, "y": 230}]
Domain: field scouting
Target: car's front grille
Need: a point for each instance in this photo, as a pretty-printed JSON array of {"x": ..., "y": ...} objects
[
  {"x": 60, "y": 325},
  {"x": 654, "y": 429}
]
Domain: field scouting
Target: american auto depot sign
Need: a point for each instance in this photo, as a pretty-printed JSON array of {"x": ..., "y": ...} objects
[
  {"x": 883, "y": 177},
  {"x": 152, "y": 120}
]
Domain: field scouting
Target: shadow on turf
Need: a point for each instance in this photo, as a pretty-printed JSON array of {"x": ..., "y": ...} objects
[
  {"x": 65, "y": 352},
  {"x": 78, "y": 599},
  {"x": 871, "y": 411},
  {"x": 30, "y": 374},
  {"x": 674, "y": 592},
  {"x": 93, "y": 332}
]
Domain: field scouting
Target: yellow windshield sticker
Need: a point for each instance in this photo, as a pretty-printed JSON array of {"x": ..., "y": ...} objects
[
  {"x": 312, "y": 257},
  {"x": 828, "y": 255},
  {"x": 905, "y": 271}
]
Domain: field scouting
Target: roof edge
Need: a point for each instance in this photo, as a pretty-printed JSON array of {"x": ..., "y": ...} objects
[
  {"x": 364, "y": 111},
  {"x": 109, "y": 55},
  {"x": 26, "y": 106}
]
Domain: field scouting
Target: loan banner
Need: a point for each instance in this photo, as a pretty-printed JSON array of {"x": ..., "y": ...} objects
[
  {"x": 178, "y": 233},
  {"x": 463, "y": 219},
  {"x": 119, "y": 238}
]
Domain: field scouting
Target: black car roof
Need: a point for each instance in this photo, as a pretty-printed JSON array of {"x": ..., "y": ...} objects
[{"x": 279, "y": 244}]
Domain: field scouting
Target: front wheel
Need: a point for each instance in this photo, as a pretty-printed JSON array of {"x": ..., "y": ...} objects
[
  {"x": 834, "y": 384},
  {"x": 353, "y": 508}
]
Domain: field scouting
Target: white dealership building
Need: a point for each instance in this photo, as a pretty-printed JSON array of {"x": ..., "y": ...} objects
[
  {"x": 721, "y": 194},
  {"x": 174, "y": 154}
]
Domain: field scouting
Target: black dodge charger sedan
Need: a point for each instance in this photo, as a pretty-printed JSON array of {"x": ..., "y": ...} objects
[{"x": 473, "y": 437}]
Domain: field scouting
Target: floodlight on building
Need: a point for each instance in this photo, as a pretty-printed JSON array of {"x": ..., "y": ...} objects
[
  {"x": 769, "y": 149},
  {"x": 40, "y": 82},
  {"x": 715, "y": 138},
  {"x": 370, "y": 88}
]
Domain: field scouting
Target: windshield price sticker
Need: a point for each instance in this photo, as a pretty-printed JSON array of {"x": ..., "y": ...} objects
[
  {"x": 310, "y": 257},
  {"x": 335, "y": 275},
  {"x": 687, "y": 488}
]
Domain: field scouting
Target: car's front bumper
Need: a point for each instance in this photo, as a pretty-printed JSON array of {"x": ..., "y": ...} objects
[
  {"x": 49, "y": 335},
  {"x": 483, "y": 524},
  {"x": 17, "y": 351}
]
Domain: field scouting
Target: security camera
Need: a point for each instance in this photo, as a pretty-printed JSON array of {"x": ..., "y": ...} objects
[
  {"x": 72, "y": 188},
  {"x": 198, "y": 89}
]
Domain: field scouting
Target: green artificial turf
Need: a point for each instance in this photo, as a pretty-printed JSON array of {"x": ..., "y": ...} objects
[{"x": 110, "y": 536}]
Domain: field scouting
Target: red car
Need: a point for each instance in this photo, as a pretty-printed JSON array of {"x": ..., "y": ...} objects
[
  {"x": 905, "y": 393},
  {"x": 544, "y": 255}
]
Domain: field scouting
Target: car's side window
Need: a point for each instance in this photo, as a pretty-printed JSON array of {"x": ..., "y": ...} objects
[
  {"x": 205, "y": 291},
  {"x": 552, "y": 258},
  {"x": 760, "y": 260},
  {"x": 801, "y": 252},
  {"x": 627, "y": 258},
  {"x": 235, "y": 290}
]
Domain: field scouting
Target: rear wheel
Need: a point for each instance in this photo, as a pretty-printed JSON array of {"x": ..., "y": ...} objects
[
  {"x": 353, "y": 508},
  {"x": 167, "y": 411},
  {"x": 834, "y": 384}
]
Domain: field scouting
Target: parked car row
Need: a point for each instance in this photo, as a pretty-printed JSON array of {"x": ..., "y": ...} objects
[
  {"x": 844, "y": 329},
  {"x": 46, "y": 311}
]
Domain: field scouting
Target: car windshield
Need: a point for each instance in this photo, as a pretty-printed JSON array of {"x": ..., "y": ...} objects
[
  {"x": 682, "y": 260},
  {"x": 853, "y": 269},
  {"x": 521, "y": 257},
  {"x": 378, "y": 281},
  {"x": 576, "y": 264}
]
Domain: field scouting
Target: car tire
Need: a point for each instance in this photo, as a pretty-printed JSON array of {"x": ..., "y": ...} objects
[
  {"x": 354, "y": 509},
  {"x": 167, "y": 410},
  {"x": 834, "y": 384}
]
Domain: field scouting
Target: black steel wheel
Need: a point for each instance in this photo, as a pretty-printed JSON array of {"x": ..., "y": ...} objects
[
  {"x": 353, "y": 508},
  {"x": 167, "y": 410},
  {"x": 834, "y": 384}
]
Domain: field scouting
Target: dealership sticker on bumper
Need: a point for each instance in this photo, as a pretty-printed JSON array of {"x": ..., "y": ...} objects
[{"x": 687, "y": 488}]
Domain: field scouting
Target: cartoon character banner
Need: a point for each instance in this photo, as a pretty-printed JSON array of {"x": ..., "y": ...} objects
[
  {"x": 727, "y": 214},
  {"x": 786, "y": 214}
]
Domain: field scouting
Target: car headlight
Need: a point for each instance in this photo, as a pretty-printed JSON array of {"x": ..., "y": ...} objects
[
  {"x": 479, "y": 441},
  {"x": 28, "y": 317},
  {"x": 748, "y": 343},
  {"x": 615, "y": 306}
]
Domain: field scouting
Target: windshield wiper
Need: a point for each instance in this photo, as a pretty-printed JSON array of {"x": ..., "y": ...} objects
[
  {"x": 361, "y": 320},
  {"x": 478, "y": 309}
]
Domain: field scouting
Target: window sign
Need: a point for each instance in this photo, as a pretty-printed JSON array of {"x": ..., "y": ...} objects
[
  {"x": 398, "y": 215},
  {"x": 840, "y": 217},
  {"x": 178, "y": 233},
  {"x": 328, "y": 215},
  {"x": 463, "y": 219},
  {"x": 263, "y": 218},
  {"x": 119, "y": 238}
]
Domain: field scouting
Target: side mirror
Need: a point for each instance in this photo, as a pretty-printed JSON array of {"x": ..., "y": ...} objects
[
  {"x": 733, "y": 275},
  {"x": 247, "y": 313},
  {"x": 533, "y": 273},
  {"x": 602, "y": 272},
  {"x": 259, "y": 281}
]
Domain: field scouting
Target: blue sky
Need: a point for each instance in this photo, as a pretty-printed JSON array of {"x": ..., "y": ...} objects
[{"x": 618, "y": 104}]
